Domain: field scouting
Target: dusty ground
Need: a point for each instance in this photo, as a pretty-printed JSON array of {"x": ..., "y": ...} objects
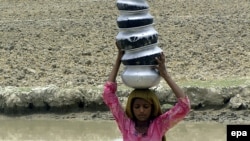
[
  {"x": 219, "y": 116},
  {"x": 71, "y": 43}
]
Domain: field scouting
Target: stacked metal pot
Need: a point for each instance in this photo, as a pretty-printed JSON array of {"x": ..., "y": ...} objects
[{"x": 138, "y": 38}]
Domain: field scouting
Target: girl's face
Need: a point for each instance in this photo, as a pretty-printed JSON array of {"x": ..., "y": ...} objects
[{"x": 141, "y": 109}]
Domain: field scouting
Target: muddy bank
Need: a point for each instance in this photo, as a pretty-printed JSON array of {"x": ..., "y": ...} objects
[{"x": 212, "y": 104}]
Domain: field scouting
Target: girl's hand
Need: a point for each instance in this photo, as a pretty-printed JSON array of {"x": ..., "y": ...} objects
[
  {"x": 120, "y": 51},
  {"x": 115, "y": 69},
  {"x": 161, "y": 65}
]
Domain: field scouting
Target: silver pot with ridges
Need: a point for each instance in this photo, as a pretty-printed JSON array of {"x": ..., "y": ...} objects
[
  {"x": 142, "y": 56},
  {"x": 130, "y": 19},
  {"x": 138, "y": 38},
  {"x": 140, "y": 76},
  {"x": 132, "y": 5}
]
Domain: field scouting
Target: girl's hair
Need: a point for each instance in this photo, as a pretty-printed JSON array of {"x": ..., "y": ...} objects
[
  {"x": 147, "y": 95},
  {"x": 150, "y": 97}
]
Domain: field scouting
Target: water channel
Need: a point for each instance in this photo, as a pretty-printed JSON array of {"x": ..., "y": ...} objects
[{"x": 80, "y": 130}]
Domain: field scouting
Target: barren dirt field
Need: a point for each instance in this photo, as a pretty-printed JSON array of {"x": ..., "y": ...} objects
[{"x": 72, "y": 43}]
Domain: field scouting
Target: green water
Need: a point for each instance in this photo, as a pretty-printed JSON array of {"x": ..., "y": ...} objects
[{"x": 76, "y": 130}]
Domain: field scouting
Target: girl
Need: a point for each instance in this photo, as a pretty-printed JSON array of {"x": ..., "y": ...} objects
[{"x": 142, "y": 119}]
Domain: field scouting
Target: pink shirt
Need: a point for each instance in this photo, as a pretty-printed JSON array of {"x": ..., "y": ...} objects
[{"x": 157, "y": 128}]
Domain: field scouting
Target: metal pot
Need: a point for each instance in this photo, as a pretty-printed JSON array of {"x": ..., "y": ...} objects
[
  {"x": 138, "y": 38},
  {"x": 132, "y": 38},
  {"x": 129, "y": 19},
  {"x": 132, "y": 4},
  {"x": 142, "y": 56},
  {"x": 140, "y": 76}
]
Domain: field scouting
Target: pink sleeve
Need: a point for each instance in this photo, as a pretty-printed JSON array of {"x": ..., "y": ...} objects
[
  {"x": 175, "y": 114},
  {"x": 111, "y": 100}
]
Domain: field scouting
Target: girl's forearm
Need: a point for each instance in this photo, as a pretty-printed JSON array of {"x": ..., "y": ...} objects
[{"x": 115, "y": 69}]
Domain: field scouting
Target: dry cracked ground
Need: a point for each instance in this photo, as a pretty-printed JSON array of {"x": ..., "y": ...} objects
[{"x": 71, "y": 43}]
